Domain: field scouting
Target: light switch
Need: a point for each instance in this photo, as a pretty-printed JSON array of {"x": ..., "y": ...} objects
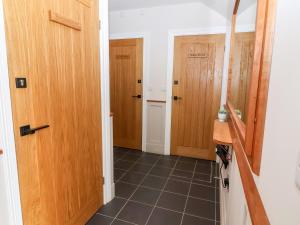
[{"x": 298, "y": 172}]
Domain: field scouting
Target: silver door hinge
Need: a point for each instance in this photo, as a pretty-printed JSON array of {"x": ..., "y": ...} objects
[{"x": 103, "y": 180}]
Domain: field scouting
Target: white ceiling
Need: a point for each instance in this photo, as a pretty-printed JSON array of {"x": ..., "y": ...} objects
[
  {"x": 221, "y": 6},
  {"x": 115, "y": 5}
]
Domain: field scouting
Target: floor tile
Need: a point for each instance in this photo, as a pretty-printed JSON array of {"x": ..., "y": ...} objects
[
  {"x": 133, "y": 178},
  {"x": 118, "y": 173},
  {"x": 203, "y": 168},
  {"x": 148, "y": 159},
  {"x": 120, "y": 222},
  {"x": 185, "y": 175},
  {"x": 154, "y": 182},
  {"x": 191, "y": 220},
  {"x": 166, "y": 163},
  {"x": 217, "y": 195},
  {"x": 201, "y": 208},
  {"x": 203, "y": 177},
  {"x": 146, "y": 195},
  {"x": 177, "y": 187},
  {"x": 131, "y": 157},
  {"x": 172, "y": 201},
  {"x": 218, "y": 211},
  {"x": 160, "y": 171},
  {"x": 99, "y": 220},
  {"x": 164, "y": 217},
  {"x": 185, "y": 166},
  {"x": 203, "y": 192},
  {"x": 135, "y": 212},
  {"x": 141, "y": 168},
  {"x": 124, "y": 165},
  {"x": 124, "y": 190},
  {"x": 113, "y": 207},
  {"x": 188, "y": 160}
]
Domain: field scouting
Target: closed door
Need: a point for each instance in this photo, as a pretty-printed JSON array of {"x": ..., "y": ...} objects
[
  {"x": 126, "y": 68},
  {"x": 241, "y": 71},
  {"x": 198, "y": 64},
  {"x": 55, "y": 46}
]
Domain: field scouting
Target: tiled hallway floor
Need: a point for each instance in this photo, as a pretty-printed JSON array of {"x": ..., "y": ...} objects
[{"x": 161, "y": 190}]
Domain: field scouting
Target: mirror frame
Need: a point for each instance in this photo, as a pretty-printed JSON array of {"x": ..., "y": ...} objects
[{"x": 251, "y": 133}]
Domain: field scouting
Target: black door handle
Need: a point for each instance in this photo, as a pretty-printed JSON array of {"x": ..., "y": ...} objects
[
  {"x": 26, "y": 130},
  {"x": 137, "y": 96},
  {"x": 176, "y": 98}
]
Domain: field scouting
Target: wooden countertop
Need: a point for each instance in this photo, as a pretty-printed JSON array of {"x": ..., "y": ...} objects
[{"x": 221, "y": 133}]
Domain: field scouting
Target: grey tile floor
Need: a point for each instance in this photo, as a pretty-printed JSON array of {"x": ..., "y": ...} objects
[{"x": 161, "y": 190}]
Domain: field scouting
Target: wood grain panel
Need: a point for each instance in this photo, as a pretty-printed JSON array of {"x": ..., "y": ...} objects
[
  {"x": 87, "y": 3},
  {"x": 59, "y": 167},
  {"x": 242, "y": 69},
  {"x": 222, "y": 133},
  {"x": 198, "y": 64},
  {"x": 57, "y": 18},
  {"x": 126, "y": 68}
]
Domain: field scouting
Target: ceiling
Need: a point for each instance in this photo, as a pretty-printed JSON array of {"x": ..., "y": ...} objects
[
  {"x": 115, "y": 5},
  {"x": 221, "y": 6}
]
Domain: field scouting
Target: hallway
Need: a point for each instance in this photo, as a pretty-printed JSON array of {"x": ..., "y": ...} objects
[{"x": 161, "y": 190}]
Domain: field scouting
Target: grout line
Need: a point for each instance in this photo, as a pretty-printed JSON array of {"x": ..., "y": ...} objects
[
  {"x": 186, "y": 201},
  {"x": 162, "y": 190},
  {"x": 111, "y": 217},
  {"x": 135, "y": 190}
]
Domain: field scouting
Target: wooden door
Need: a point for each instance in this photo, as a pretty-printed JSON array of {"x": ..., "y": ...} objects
[
  {"x": 55, "y": 46},
  {"x": 198, "y": 65},
  {"x": 241, "y": 71},
  {"x": 126, "y": 68}
]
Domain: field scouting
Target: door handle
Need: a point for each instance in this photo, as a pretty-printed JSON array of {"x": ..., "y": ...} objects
[
  {"x": 137, "y": 96},
  {"x": 177, "y": 98},
  {"x": 26, "y": 130}
]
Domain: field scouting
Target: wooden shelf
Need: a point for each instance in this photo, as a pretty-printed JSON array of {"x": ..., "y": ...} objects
[{"x": 222, "y": 133}]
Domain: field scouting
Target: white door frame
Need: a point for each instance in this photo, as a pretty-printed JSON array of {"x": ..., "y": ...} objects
[
  {"x": 7, "y": 140},
  {"x": 145, "y": 79},
  {"x": 171, "y": 38},
  {"x": 107, "y": 141}
]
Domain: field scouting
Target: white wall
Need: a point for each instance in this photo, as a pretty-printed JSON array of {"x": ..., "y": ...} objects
[
  {"x": 4, "y": 215},
  {"x": 282, "y": 132},
  {"x": 156, "y": 22},
  {"x": 281, "y": 147}
]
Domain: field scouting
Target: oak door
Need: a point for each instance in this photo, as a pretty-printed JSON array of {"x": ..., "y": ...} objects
[
  {"x": 55, "y": 46},
  {"x": 126, "y": 68},
  {"x": 241, "y": 71},
  {"x": 197, "y": 76}
]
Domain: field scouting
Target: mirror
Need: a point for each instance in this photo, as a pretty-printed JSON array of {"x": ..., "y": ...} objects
[{"x": 242, "y": 54}]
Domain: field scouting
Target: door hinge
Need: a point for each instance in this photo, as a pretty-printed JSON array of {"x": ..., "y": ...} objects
[
  {"x": 99, "y": 24},
  {"x": 103, "y": 180}
]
